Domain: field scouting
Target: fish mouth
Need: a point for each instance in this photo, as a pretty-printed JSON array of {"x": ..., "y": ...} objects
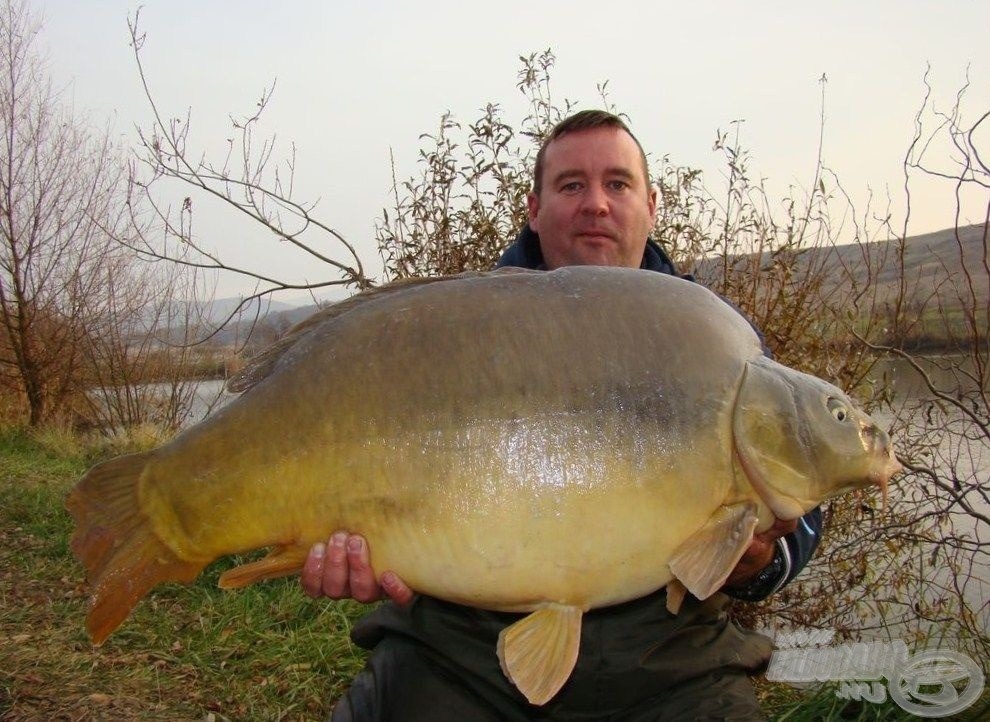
[{"x": 792, "y": 507}]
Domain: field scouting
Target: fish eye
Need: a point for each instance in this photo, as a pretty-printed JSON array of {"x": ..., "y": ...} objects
[{"x": 838, "y": 409}]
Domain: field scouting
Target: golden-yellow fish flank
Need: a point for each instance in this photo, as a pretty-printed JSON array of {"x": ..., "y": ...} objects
[{"x": 519, "y": 441}]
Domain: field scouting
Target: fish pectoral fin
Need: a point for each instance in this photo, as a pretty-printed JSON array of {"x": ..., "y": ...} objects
[
  {"x": 280, "y": 562},
  {"x": 705, "y": 560},
  {"x": 538, "y": 652}
]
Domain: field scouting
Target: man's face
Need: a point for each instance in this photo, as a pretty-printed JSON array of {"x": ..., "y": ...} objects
[{"x": 594, "y": 207}]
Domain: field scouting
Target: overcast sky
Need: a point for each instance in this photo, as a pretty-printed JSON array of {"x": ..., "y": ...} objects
[{"x": 357, "y": 78}]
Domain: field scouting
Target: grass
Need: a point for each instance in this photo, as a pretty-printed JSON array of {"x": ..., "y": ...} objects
[
  {"x": 191, "y": 652},
  {"x": 784, "y": 703},
  {"x": 186, "y": 653}
]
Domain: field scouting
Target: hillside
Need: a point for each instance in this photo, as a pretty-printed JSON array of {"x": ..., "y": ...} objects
[
  {"x": 928, "y": 261},
  {"x": 942, "y": 270},
  {"x": 275, "y": 318}
]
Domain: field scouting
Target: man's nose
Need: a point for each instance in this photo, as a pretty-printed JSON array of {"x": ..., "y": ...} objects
[{"x": 595, "y": 201}]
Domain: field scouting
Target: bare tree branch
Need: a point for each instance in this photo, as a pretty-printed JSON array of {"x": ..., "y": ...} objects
[{"x": 248, "y": 181}]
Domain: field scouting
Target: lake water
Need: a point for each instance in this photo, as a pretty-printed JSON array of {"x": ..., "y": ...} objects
[
  {"x": 209, "y": 396},
  {"x": 960, "y": 452}
]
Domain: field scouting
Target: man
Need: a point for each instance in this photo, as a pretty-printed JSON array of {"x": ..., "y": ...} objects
[{"x": 591, "y": 204}]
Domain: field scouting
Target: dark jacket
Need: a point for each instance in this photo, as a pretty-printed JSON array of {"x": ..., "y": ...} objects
[
  {"x": 797, "y": 548},
  {"x": 525, "y": 253}
]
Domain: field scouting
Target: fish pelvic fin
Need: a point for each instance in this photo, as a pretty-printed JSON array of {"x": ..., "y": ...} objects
[
  {"x": 117, "y": 544},
  {"x": 280, "y": 562},
  {"x": 538, "y": 652},
  {"x": 676, "y": 592},
  {"x": 704, "y": 561}
]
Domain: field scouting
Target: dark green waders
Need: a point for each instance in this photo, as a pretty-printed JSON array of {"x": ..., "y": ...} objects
[{"x": 435, "y": 662}]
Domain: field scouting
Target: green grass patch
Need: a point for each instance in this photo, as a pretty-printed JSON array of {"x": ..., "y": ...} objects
[
  {"x": 187, "y": 652},
  {"x": 828, "y": 703}
]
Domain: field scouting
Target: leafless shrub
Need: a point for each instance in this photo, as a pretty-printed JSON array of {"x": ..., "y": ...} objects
[
  {"x": 76, "y": 306},
  {"x": 250, "y": 181},
  {"x": 144, "y": 368},
  {"x": 919, "y": 570},
  {"x": 470, "y": 195},
  {"x": 942, "y": 508}
]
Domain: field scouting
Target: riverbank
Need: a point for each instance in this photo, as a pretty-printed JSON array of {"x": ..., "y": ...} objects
[{"x": 187, "y": 653}]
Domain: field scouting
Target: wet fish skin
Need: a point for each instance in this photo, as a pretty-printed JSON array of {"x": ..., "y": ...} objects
[{"x": 516, "y": 441}]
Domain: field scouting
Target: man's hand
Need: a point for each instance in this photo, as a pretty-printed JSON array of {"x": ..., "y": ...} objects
[
  {"x": 341, "y": 569},
  {"x": 759, "y": 554}
]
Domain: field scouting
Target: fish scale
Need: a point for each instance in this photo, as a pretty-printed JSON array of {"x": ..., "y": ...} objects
[{"x": 543, "y": 442}]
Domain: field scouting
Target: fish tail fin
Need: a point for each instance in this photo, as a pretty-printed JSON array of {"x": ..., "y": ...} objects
[{"x": 114, "y": 540}]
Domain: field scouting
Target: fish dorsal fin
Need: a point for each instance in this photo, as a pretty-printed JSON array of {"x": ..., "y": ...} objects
[
  {"x": 280, "y": 562},
  {"x": 259, "y": 367},
  {"x": 538, "y": 652},
  {"x": 704, "y": 561}
]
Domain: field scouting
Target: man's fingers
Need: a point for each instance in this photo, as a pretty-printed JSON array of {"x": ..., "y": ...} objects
[
  {"x": 364, "y": 586},
  {"x": 312, "y": 572},
  {"x": 335, "y": 575},
  {"x": 341, "y": 569},
  {"x": 396, "y": 589}
]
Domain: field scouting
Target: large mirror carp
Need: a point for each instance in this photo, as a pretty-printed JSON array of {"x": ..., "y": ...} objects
[{"x": 542, "y": 442}]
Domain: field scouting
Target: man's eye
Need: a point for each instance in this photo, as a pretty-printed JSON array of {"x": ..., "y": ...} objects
[
  {"x": 571, "y": 187},
  {"x": 617, "y": 185}
]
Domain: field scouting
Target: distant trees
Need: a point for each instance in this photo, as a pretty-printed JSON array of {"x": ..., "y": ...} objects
[
  {"x": 59, "y": 187},
  {"x": 72, "y": 298}
]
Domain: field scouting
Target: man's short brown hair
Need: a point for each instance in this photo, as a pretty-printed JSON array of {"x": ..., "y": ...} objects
[{"x": 583, "y": 120}]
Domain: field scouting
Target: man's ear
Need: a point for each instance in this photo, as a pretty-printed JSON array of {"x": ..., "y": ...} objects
[
  {"x": 652, "y": 200},
  {"x": 533, "y": 204}
]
